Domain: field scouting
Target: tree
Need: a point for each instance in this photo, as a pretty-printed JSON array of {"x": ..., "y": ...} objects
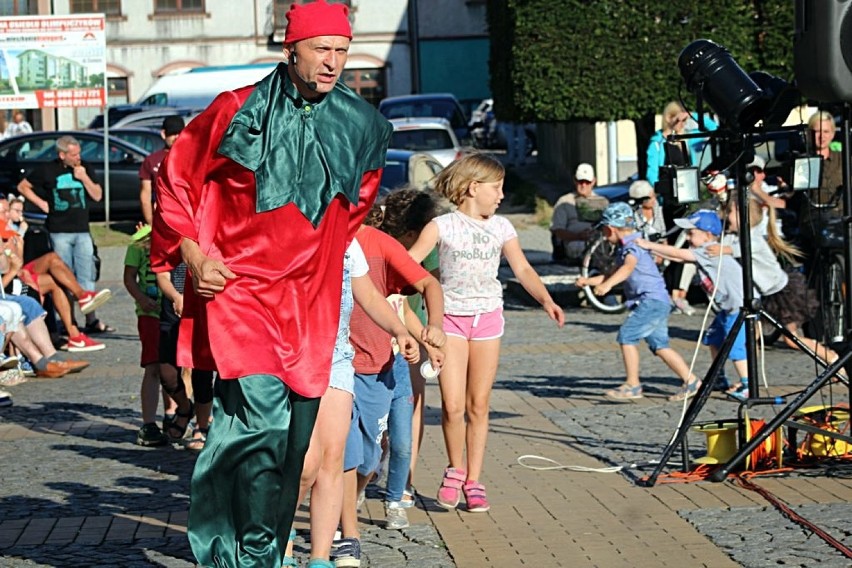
[{"x": 592, "y": 60}]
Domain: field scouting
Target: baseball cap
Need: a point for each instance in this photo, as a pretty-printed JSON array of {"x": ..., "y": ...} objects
[
  {"x": 640, "y": 189},
  {"x": 618, "y": 215},
  {"x": 703, "y": 220},
  {"x": 585, "y": 172},
  {"x": 757, "y": 162},
  {"x": 172, "y": 125}
]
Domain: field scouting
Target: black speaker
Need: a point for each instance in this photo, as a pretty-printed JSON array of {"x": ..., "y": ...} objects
[{"x": 822, "y": 49}]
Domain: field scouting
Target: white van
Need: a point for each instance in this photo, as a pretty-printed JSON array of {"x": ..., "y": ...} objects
[{"x": 198, "y": 87}]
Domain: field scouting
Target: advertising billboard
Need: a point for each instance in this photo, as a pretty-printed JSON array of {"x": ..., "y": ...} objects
[{"x": 52, "y": 61}]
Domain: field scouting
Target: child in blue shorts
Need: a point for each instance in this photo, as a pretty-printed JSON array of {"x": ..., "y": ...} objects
[
  {"x": 723, "y": 284},
  {"x": 648, "y": 301}
]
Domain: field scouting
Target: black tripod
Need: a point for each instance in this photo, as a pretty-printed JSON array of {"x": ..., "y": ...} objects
[{"x": 741, "y": 145}]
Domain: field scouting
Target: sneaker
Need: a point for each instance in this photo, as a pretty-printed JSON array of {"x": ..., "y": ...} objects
[
  {"x": 474, "y": 496},
  {"x": 83, "y": 343},
  {"x": 740, "y": 393},
  {"x": 624, "y": 392},
  {"x": 53, "y": 370},
  {"x": 12, "y": 377},
  {"x": 9, "y": 362},
  {"x": 27, "y": 368},
  {"x": 90, "y": 301},
  {"x": 5, "y": 398},
  {"x": 449, "y": 494},
  {"x": 395, "y": 516},
  {"x": 346, "y": 553},
  {"x": 74, "y": 366},
  {"x": 683, "y": 307},
  {"x": 150, "y": 435},
  {"x": 408, "y": 498},
  {"x": 686, "y": 391}
]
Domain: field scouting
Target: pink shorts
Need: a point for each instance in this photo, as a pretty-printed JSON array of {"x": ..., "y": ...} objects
[{"x": 475, "y": 328}]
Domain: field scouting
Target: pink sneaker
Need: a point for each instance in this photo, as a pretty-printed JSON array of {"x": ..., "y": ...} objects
[
  {"x": 90, "y": 301},
  {"x": 474, "y": 495},
  {"x": 449, "y": 494}
]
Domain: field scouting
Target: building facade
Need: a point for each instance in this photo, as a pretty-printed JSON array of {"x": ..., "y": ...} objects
[{"x": 400, "y": 46}]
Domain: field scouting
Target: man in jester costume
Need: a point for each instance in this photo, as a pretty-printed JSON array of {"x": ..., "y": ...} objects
[{"x": 260, "y": 196}]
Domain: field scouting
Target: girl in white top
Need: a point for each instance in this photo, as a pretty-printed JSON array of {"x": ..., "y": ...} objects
[{"x": 470, "y": 243}]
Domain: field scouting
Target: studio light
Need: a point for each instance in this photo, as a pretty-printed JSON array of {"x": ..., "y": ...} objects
[{"x": 739, "y": 99}]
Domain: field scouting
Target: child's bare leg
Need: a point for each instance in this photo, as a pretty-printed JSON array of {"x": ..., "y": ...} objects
[
  {"x": 453, "y": 383},
  {"x": 484, "y": 358},
  {"x": 676, "y": 363},
  {"x": 630, "y": 354}
]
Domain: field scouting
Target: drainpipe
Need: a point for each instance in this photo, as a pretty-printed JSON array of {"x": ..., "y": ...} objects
[
  {"x": 414, "y": 45},
  {"x": 612, "y": 151}
]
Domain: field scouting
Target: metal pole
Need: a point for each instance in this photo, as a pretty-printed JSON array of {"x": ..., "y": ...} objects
[
  {"x": 847, "y": 228},
  {"x": 414, "y": 45},
  {"x": 748, "y": 290}
]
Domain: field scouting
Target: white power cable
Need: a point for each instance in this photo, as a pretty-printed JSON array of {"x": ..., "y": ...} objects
[{"x": 555, "y": 465}]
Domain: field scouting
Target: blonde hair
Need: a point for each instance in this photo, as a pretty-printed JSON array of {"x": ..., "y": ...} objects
[
  {"x": 779, "y": 246},
  {"x": 819, "y": 116},
  {"x": 671, "y": 111},
  {"x": 454, "y": 180}
]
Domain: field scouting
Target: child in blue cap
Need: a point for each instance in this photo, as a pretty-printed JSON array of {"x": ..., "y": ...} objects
[
  {"x": 648, "y": 301},
  {"x": 723, "y": 284}
]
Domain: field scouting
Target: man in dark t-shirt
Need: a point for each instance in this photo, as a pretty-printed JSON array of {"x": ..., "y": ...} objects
[
  {"x": 172, "y": 126},
  {"x": 63, "y": 189}
]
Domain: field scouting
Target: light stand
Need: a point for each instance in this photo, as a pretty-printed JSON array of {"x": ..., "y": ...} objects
[
  {"x": 750, "y": 311},
  {"x": 742, "y": 101}
]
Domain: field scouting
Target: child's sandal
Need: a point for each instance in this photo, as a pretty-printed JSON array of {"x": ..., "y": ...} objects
[
  {"x": 199, "y": 438},
  {"x": 181, "y": 430}
]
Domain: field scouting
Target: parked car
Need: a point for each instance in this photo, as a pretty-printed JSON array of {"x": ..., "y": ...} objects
[
  {"x": 442, "y": 105},
  {"x": 21, "y": 154},
  {"x": 617, "y": 191},
  {"x": 148, "y": 139},
  {"x": 403, "y": 167},
  {"x": 431, "y": 135},
  {"x": 153, "y": 118}
]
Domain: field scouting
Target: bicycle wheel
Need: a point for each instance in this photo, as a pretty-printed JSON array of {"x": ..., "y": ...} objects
[
  {"x": 833, "y": 302},
  {"x": 599, "y": 258}
]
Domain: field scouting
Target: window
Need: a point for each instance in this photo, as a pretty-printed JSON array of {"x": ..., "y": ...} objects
[
  {"x": 18, "y": 7},
  {"x": 178, "y": 6},
  {"x": 369, "y": 83},
  {"x": 108, "y": 7}
]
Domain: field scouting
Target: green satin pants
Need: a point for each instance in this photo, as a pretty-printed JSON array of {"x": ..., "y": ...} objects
[{"x": 246, "y": 480}]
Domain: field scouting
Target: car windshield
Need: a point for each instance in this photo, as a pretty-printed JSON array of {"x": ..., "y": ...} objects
[
  {"x": 421, "y": 139},
  {"x": 395, "y": 174}
]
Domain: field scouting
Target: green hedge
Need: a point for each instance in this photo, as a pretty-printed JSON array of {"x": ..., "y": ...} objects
[{"x": 558, "y": 60}]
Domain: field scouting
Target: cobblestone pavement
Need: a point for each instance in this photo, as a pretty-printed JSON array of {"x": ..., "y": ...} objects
[{"x": 76, "y": 491}]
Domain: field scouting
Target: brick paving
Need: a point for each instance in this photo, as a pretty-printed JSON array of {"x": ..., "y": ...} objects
[{"x": 76, "y": 491}]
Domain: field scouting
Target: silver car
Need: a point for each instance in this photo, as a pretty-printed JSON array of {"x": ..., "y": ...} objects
[{"x": 433, "y": 135}]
